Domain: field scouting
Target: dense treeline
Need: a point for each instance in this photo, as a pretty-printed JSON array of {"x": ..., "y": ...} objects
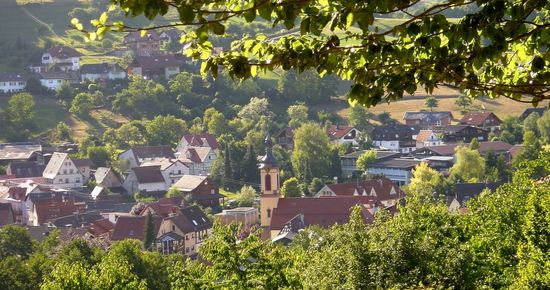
[{"x": 501, "y": 242}]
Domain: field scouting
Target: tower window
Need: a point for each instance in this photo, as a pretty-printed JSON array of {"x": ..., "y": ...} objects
[
  {"x": 268, "y": 212},
  {"x": 267, "y": 182}
]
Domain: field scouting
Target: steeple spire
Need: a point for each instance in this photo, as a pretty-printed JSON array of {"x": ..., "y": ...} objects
[{"x": 268, "y": 160}]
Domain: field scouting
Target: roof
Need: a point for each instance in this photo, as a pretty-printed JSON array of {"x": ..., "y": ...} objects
[
  {"x": 100, "y": 227},
  {"x": 338, "y": 131},
  {"x": 52, "y": 205},
  {"x": 188, "y": 183},
  {"x": 22, "y": 169},
  {"x": 132, "y": 227},
  {"x": 197, "y": 218},
  {"x": 465, "y": 191},
  {"x": 515, "y": 150},
  {"x": 57, "y": 75},
  {"x": 164, "y": 163},
  {"x": 317, "y": 211},
  {"x": 484, "y": 147},
  {"x": 102, "y": 172},
  {"x": 81, "y": 162},
  {"x": 108, "y": 206},
  {"x": 394, "y": 132},
  {"x": 423, "y": 135},
  {"x": 53, "y": 167},
  {"x": 11, "y": 77},
  {"x": 287, "y": 132},
  {"x": 379, "y": 154},
  {"x": 453, "y": 129},
  {"x": 396, "y": 163},
  {"x": 163, "y": 208},
  {"x": 148, "y": 174},
  {"x": 268, "y": 160},
  {"x": 195, "y": 154},
  {"x": 76, "y": 220},
  {"x": 99, "y": 68},
  {"x": 42, "y": 231},
  {"x": 60, "y": 51},
  {"x": 173, "y": 33},
  {"x": 18, "y": 151},
  {"x": 147, "y": 152},
  {"x": 7, "y": 216},
  {"x": 382, "y": 188},
  {"x": 477, "y": 118},
  {"x": 201, "y": 140},
  {"x": 528, "y": 112},
  {"x": 427, "y": 116},
  {"x": 156, "y": 62}
]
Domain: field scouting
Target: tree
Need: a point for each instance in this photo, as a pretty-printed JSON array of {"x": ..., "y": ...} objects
[
  {"x": 544, "y": 127},
  {"x": 335, "y": 169},
  {"x": 432, "y": 102},
  {"x": 15, "y": 241},
  {"x": 21, "y": 115},
  {"x": 82, "y": 104},
  {"x": 315, "y": 185},
  {"x": 65, "y": 93},
  {"x": 425, "y": 181},
  {"x": 365, "y": 159},
  {"x": 311, "y": 153},
  {"x": 149, "y": 232},
  {"x": 474, "y": 144},
  {"x": 62, "y": 132},
  {"x": 297, "y": 115},
  {"x": 463, "y": 101},
  {"x": 250, "y": 165},
  {"x": 359, "y": 118},
  {"x": 512, "y": 130},
  {"x": 469, "y": 166},
  {"x": 99, "y": 155},
  {"x": 254, "y": 110},
  {"x": 247, "y": 196},
  {"x": 435, "y": 50},
  {"x": 385, "y": 118},
  {"x": 530, "y": 150},
  {"x": 165, "y": 130},
  {"x": 530, "y": 124},
  {"x": 215, "y": 122},
  {"x": 291, "y": 188}
]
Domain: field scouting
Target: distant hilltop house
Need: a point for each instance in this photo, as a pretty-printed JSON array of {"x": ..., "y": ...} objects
[
  {"x": 63, "y": 57},
  {"x": 145, "y": 45},
  {"x": 101, "y": 72},
  {"x": 155, "y": 66},
  {"x": 198, "y": 140},
  {"x": 484, "y": 120},
  {"x": 285, "y": 138},
  {"x": 428, "y": 119},
  {"x": 12, "y": 82},
  {"x": 198, "y": 152},
  {"x": 53, "y": 80},
  {"x": 171, "y": 38},
  {"x": 396, "y": 138},
  {"x": 529, "y": 111},
  {"x": 339, "y": 134},
  {"x": 427, "y": 138}
]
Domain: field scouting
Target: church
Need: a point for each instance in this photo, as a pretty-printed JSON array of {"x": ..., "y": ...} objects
[{"x": 282, "y": 217}]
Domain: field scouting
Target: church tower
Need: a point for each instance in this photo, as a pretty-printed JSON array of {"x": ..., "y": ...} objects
[{"x": 269, "y": 173}]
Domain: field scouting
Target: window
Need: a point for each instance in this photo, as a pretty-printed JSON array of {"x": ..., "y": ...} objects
[
  {"x": 173, "y": 228},
  {"x": 64, "y": 171},
  {"x": 268, "y": 212},
  {"x": 66, "y": 180},
  {"x": 70, "y": 171},
  {"x": 267, "y": 182}
]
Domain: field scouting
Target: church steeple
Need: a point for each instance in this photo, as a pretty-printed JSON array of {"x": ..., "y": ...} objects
[{"x": 269, "y": 172}]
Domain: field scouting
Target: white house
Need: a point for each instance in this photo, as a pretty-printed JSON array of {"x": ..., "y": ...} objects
[
  {"x": 398, "y": 170},
  {"x": 145, "y": 179},
  {"x": 12, "y": 82},
  {"x": 198, "y": 159},
  {"x": 61, "y": 172},
  {"x": 171, "y": 169},
  {"x": 101, "y": 71},
  {"x": 197, "y": 140},
  {"x": 53, "y": 79},
  {"x": 344, "y": 135},
  {"x": 66, "y": 58},
  {"x": 106, "y": 177},
  {"x": 137, "y": 155},
  {"x": 427, "y": 138},
  {"x": 396, "y": 138}
]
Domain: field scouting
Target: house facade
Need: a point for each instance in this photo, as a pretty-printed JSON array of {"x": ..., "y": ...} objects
[
  {"x": 137, "y": 155},
  {"x": 485, "y": 120},
  {"x": 427, "y": 138},
  {"x": 344, "y": 135},
  {"x": 61, "y": 172},
  {"x": 200, "y": 188},
  {"x": 12, "y": 82},
  {"x": 154, "y": 67},
  {"x": 171, "y": 169},
  {"x": 349, "y": 161},
  {"x": 66, "y": 58},
  {"x": 396, "y": 138},
  {"x": 53, "y": 80},
  {"x": 461, "y": 133},
  {"x": 101, "y": 72},
  {"x": 146, "y": 45},
  {"x": 199, "y": 160},
  {"x": 398, "y": 170},
  {"x": 145, "y": 180}
]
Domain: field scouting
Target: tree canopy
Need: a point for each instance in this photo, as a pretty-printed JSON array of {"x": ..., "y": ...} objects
[{"x": 497, "y": 48}]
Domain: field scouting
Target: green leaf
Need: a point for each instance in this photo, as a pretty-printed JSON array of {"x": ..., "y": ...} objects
[
  {"x": 103, "y": 18},
  {"x": 217, "y": 28},
  {"x": 187, "y": 15}
]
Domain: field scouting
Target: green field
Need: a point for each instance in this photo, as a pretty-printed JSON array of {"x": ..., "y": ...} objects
[{"x": 48, "y": 113}]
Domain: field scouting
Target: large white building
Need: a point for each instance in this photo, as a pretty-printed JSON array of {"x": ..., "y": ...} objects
[
  {"x": 61, "y": 172},
  {"x": 12, "y": 82},
  {"x": 66, "y": 58}
]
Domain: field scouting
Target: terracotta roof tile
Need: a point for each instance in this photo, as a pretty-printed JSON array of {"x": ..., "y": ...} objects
[{"x": 477, "y": 118}]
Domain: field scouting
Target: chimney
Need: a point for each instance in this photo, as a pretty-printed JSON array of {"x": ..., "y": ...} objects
[{"x": 335, "y": 178}]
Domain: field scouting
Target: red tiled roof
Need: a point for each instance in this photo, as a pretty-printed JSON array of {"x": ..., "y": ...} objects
[
  {"x": 199, "y": 140},
  {"x": 163, "y": 151},
  {"x": 101, "y": 227},
  {"x": 337, "y": 131},
  {"x": 477, "y": 118},
  {"x": 382, "y": 187},
  {"x": 515, "y": 150},
  {"x": 159, "y": 209},
  {"x": 132, "y": 227},
  {"x": 54, "y": 206},
  {"x": 484, "y": 147},
  {"x": 318, "y": 211},
  {"x": 60, "y": 51}
]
